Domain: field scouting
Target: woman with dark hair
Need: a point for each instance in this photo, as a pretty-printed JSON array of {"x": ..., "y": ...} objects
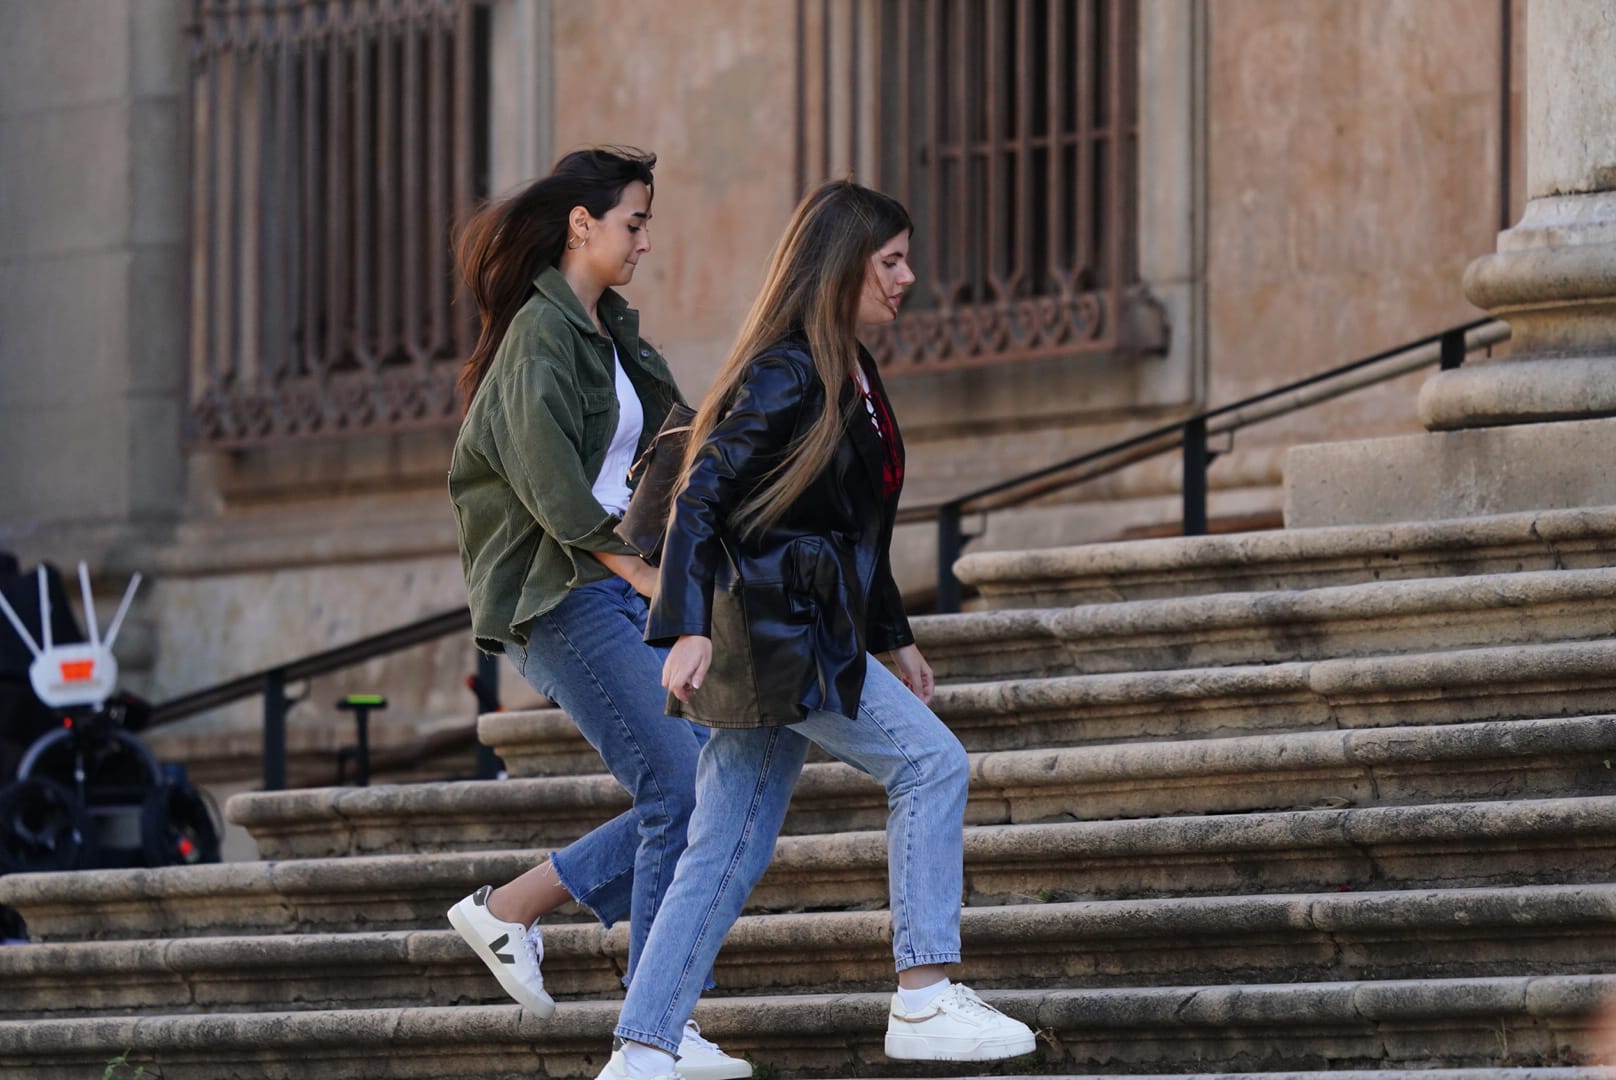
[
  {"x": 775, "y": 585},
  {"x": 561, "y": 396}
]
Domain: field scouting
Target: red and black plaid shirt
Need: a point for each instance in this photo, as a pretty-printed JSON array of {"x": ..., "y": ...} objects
[{"x": 875, "y": 406}]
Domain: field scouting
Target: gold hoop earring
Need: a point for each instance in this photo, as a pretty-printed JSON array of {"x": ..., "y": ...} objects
[{"x": 582, "y": 240}]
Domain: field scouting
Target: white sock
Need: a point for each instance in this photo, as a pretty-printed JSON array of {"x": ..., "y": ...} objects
[
  {"x": 641, "y": 1061},
  {"x": 920, "y": 997}
]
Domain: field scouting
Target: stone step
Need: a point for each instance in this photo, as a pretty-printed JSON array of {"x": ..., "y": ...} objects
[
  {"x": 1400, "y": 1024},
  {"x": 1292, "y": 558},
  {"x": 1464, "y": 685},
  {"x": 1501, "y": 1072},
  {"x": 1376, "y": 619},
  {"x": 1448, "y": 845},
  {"x": 1458, "y": 933},
  {"x": 1576, "y": 678},
  {"x": 1369, "y": 766}
]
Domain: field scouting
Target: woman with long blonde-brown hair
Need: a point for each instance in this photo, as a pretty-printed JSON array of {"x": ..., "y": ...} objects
[{"x": 775, "y": 587}]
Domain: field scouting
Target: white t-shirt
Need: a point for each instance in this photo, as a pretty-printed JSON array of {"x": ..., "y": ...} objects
[{"x": 611, "y": 486}]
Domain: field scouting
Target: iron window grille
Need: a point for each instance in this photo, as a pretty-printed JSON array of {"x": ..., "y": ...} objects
[
  {"x": 1009, "y": 128},
  {"x": 333, "y": 143}
]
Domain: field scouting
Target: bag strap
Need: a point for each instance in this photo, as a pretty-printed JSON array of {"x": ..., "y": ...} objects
[{"x": 650, "y": 448}]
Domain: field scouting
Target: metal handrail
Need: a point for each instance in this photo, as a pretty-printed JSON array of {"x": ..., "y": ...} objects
[
  {"x": 1447, "y": 348},
  {"x": 271, "y": 682}
]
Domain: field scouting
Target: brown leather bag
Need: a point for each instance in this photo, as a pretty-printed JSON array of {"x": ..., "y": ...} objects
[{"x": 654, "y": 477}]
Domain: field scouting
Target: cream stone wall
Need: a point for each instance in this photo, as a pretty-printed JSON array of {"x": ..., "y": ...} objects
[
  {"x": 709, "y": 87},
  {"x": 92, "y": 228},
  {"x": 1354, "y": 172},
  {"x": 1318, "y": 173}
]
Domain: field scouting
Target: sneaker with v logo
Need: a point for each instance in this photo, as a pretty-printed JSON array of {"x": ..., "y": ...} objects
[{"x": 512, "y": 951}]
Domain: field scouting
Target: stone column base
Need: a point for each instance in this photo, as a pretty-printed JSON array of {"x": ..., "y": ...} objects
[{"x": 1452, "y": 474}]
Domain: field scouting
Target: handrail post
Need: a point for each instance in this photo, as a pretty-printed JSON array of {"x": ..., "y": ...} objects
[
  {"x": 1195, "y": 462},
  {"x": 486, "y": 687},
  {"x": 950, "y": 541},
  {"x": 275, "y": 730},
  {"x": 1453, "y": 349}
]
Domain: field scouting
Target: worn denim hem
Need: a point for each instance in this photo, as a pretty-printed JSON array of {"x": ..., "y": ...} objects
[
  {"x": 582, "y": 901},
  {"x": 923, "y": 959},
  {"x": 647, "y": 1038}
]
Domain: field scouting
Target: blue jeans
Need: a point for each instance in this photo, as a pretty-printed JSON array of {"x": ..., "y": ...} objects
[
  {"x": 742, "y": 788},
  {"x": 589, "y": 656}
]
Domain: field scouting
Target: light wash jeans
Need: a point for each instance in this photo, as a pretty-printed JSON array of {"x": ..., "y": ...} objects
[
  {"x": 742, "y": 788},
  {"x": 589, "y": 656}
]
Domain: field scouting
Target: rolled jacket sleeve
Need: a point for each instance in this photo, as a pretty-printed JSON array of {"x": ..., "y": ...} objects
[{"x": 746, "y": 444}]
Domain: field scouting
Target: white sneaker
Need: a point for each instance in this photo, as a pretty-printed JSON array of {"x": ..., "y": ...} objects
[
  {"x": 512, "y": 951},
  {"x": 617, "y": 1069},
  {"x": 701, "y": 1059},
  {"x": 957, "y": 1026}
]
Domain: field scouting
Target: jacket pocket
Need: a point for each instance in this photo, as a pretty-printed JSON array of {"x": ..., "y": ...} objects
[
  {"x": 802, "y": 578},
  {"x": 781, "y": 627},
  {"x": 599, "y": 423}
]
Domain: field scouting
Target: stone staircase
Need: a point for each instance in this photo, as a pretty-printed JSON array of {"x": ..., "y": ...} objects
[{"x": 1335, "y": 799}]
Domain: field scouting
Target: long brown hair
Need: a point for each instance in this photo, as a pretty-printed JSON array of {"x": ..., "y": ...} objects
[
  {"x": 508, "y": 241},
  {"x": 813, "y": 284}
]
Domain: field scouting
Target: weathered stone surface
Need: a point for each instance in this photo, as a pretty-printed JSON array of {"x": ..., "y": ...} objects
[
  {"x": 1375, "y": 619},
  {"x": 1460, "y": 933},
  {"x": 1293, "y": 558},
  {"x": 1455, "y": 845},
  {"x": 1398, "y": 1023},
  {"x": 1551, "y": 1072},
  {"x": 1499, "y": 683},
  {"x": 1454, "y": 474},
  {"x": 1241, "y": 939},
  {"x": 537, "y": 742},
  {"x": 1372, "y": 766},
  {"x": 1562, "y": 679}
]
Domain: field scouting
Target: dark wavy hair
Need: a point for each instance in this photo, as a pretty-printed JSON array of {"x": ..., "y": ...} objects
[{"x": 508, "y": 241}]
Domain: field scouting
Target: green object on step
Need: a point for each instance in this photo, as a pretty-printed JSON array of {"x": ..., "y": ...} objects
[{"x": 360, "y": 705}]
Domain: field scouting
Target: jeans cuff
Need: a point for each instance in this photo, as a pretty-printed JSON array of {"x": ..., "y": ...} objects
[
  {"x": 922, "y": 959},
  {"x": 634, "y": 1035},
  {"x": 605, "y": 918}
]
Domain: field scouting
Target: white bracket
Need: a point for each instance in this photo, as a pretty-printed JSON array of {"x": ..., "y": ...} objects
[{"x": 85, "y": 673}]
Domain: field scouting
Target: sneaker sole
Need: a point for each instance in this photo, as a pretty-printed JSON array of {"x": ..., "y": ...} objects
[
  {"x": 921, "y": 1048},
  {"x": 540, "y": 1006},
  {"x": 734, "y": 1069}
]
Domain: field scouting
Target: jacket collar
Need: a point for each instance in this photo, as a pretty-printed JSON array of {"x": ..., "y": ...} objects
[
  {"x": 620, "y": 320},
  {"x": 868, "y": 445}
]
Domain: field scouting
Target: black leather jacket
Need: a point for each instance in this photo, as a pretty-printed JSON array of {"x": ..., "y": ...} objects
[{"x": 792, "y": 610}]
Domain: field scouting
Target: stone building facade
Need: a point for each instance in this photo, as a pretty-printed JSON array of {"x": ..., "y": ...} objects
[{"x": 1295, "y": 184}]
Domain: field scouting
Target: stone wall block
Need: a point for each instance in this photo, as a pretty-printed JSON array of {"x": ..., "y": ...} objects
[
  {"x": 64, "y": 55},
  {"x": 75, "y": 196}
]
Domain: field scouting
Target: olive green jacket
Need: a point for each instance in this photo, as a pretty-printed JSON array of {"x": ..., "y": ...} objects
[{"x": 530, "y": 448}]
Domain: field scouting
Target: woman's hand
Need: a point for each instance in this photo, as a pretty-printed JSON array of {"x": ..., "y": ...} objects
[
  {"x": 914, "y": 671},
  {"x": 640, "y": 575},
  {"x": 687, "y": 664}
]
